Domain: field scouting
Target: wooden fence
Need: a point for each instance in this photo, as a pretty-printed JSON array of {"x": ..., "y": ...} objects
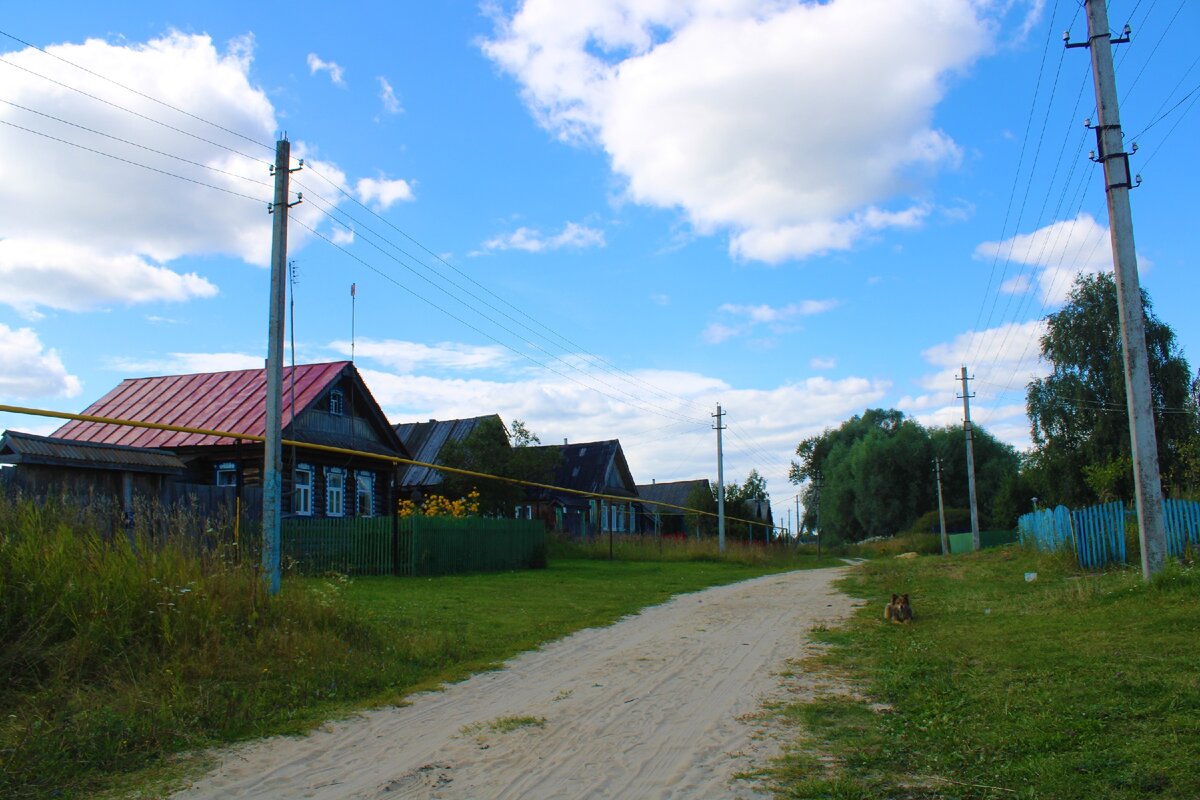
[
  {"x": 1097, "y": 533},
  {"x": 412, "y": 545}
]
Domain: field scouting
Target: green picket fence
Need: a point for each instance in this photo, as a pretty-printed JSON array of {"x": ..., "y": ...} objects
[
  {"x": 411, "y": 546},
  {"x": 961, "y": 542},
  {"x": 445, "y": 545}
]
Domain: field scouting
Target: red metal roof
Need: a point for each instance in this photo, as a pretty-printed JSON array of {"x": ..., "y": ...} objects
[{"x": 223, "y": 401}]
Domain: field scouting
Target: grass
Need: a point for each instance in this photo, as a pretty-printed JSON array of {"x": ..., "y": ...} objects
[
  {"x": 115, "y": 656},
  {"x": 1069, "y": 686}
]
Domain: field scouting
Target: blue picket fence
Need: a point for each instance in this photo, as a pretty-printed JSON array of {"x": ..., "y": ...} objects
[
  {"x": 1097, "y": 533},
  {"x": 1183, "y": 525}
]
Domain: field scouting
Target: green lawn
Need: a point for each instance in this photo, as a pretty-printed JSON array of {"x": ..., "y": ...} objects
[
  {"x": 1070, "y": 686},
  {"x": 113, "y": 661}
]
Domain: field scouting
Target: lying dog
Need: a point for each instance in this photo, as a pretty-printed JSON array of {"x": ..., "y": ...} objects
[{"x": 899, "y": 610}]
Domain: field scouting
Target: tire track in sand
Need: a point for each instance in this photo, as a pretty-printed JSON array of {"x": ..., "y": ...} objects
[{"x": 658, "y": 705}]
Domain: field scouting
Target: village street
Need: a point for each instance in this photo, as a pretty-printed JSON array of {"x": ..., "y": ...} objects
[{"x": 661, "y": 704}]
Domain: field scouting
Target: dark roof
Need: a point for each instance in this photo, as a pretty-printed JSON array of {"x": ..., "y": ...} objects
[
  {"x": 674, "y": 492},
  {"x": 425, "y": 440},
  {"x": 225, "y": 401},
  {"x": 27, "y": 448},
  {"x": 588, "y": 466}
]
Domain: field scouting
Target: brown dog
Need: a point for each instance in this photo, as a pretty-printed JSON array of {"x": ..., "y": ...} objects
[{"x": 899, "y": 610}]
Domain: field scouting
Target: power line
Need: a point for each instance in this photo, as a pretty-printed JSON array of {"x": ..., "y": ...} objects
[
  {"x": 152, "y": 99},
  {"x": 131, "y": 162}
]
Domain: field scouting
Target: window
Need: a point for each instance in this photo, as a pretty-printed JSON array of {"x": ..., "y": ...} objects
[
  {"x": 364, "y": 494},
  {"x": 302, "y": 490},
  {"x": 227, "y": 474},
  {"x": 335, "y": 492},
  {"x": 337, "y": 403}
]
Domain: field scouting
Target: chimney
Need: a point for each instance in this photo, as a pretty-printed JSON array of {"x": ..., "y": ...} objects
[
  {"x": 564, "y": 440},
  {"x": 652, "y": 481}
]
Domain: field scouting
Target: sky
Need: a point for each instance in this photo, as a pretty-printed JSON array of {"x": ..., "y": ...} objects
[{"x": 603, "y": 217}]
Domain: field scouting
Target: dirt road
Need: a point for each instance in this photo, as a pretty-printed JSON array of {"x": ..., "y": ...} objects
[{"x": 661, "y": 704}]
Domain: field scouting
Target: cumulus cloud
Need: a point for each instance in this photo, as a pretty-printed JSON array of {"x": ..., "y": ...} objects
[
  {"x": 28, "y": 370},
  {"x": 532, "y": 240},
  {"x": 81, "y": 230},
  {"x": 387, "y": 96},
  {"x": 1001, "y": 361},
  {"x": 73, "y": 277},
  {"x": 186, "y": 364},
  {"x": 315, "y": 65},
  {"x": 1054, "y": 255},
  {"x": 739, "y": 320},
  {"x": 383, "y": 193},
  {"x": 793, "y": 126},
  {"x": 409, "y": 356},
  {"x": 822, "y": 363}
]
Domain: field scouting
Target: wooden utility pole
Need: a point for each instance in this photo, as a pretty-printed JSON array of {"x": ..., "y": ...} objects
[
  {"x": 1110, "y": 152},
  {"x": 966, "y": 398}
]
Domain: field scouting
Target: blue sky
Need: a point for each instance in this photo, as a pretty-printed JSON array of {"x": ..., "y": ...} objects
[{"x": 611, "y": 216}]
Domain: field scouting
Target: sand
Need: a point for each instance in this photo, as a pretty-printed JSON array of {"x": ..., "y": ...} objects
[{"x": 666, "y": 703}]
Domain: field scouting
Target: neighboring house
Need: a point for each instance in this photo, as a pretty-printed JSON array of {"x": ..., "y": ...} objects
[
  {"x": 760, "y": 512},
  {"x": 326, "y": 404},
  {"x": 46, "y": 464},
  {"x": 598, "y": 467},
  {"x": 664, "y": 520},
  {"x": 425, "y": 440}
]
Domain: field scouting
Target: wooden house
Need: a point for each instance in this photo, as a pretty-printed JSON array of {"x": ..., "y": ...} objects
[
  {"x": 598, "y": 467},
  {"x": 665, "y": 520},
  {"x": 425, "y": 441},
  {"x": 325, "y": 404}
]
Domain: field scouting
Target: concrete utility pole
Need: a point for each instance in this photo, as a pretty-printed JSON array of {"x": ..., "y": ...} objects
[
  {"x": 720, "y": 481},
  {"x": 273, "y": 456},
  {"x": 937, "y": 467},
  {"x": 1111, "y": 153},
  {"x": 797, "y": 519},
  {"x": 966, "y": 398}
]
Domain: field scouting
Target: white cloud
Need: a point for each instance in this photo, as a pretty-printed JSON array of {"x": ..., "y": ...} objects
[
  {"x": 822, "y": 363},
  {"x": 28, "y": 370},
  {"x": 1000, "y": 361},
  {"x": 1055, "y": 253},
  {"x": 186, "y": 363},
  {"x": 387, "y": 96},
  {"x": 73, "y": 277},
  {"x": 660, "y": 299},
  {"x": 409, "y": 356},
  {"x": 383, "y": 192},
  {"x": 81, "y": 230},
  {"x": 531, "y": 240},
  {"x": 788, "y": 124},
  {"x": 746, "y": 318},
  {"x": 315, "y": 65}
]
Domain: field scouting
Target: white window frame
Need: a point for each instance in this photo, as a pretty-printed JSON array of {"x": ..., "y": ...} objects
[
  {"x": 337, "y": 402},
  {"x": 226, "y": 468},
  {"x": 369, "y": 476},
  {"x": 335, "y": 492},
  {"x": 302, "y": 493}
]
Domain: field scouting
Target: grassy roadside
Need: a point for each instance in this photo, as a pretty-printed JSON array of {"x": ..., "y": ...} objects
[
  {"x": 113, "y": 658},
  {"x": 1070, "y": 686}
]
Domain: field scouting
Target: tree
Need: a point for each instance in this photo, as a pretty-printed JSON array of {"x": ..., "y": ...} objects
[
  {"x": 875, "y": 473},
  {"x": 1078, "y": 414},
  {"x": 491, "y": 449}
]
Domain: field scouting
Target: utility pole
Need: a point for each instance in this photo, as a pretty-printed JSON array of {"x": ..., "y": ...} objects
[
  {"x": 966, "y": 398},
  {"x": 818, "y": 531},
  {"x": 720, "y": 482},
  {"x": 797, "y": 519},
  {"x": 937, "y": 467},
  {"x": 273, "y": 455},
  {"x": 1111, "y": 154}
]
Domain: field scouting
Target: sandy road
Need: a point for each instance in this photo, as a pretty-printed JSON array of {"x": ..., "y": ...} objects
[{"x": 661, "y": 704}]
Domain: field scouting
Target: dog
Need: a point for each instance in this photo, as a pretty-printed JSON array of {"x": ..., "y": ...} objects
[{"x": 899, "y": 610}]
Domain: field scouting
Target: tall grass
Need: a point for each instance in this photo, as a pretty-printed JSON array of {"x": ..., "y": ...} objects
[
  {"x": 114, "y": 650},
  {"x": 634, "y": 547}
]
